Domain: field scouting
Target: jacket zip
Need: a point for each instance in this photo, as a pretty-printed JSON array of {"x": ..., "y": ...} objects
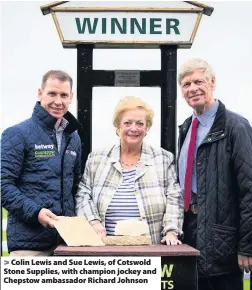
[{"x": 62, "y": 177}]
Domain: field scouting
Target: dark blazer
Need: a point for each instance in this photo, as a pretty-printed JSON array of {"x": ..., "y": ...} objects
[{"x": 224, "y": 192}]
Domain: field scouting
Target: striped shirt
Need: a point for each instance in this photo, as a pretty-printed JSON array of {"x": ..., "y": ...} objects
[
  {"x": 123, "y": 205},
  {"x": 59, "y": 132}
]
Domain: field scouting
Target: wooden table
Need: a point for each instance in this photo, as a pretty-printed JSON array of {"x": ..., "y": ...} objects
[
  {"x": 152, "y": 250},
  {"x": 182, "y": 257}
]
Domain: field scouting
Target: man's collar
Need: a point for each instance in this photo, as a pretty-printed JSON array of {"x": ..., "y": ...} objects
[
  {"x": 211, "y": 112},
  {"x": 63, "y": 124},
  {"x": 45, "y": 119}
]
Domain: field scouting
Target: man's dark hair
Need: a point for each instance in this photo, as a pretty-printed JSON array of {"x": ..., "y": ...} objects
[{"x": 57, "y": 74}]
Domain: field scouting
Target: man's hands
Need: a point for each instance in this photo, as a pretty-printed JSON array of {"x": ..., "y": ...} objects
[
  {"x": 99, "y": 228},
  {"x": 47, "y": 218},
  {"x": 245, "y": 263},
  {"x": 171, "y": 239}
]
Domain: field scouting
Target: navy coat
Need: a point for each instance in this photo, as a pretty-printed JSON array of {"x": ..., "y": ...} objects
[{"x": 35, "y": 176}]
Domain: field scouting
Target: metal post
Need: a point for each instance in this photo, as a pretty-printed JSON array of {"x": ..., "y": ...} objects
[
  {"x": 168, "y": 97},
  {"x": 84, "y": 97}
]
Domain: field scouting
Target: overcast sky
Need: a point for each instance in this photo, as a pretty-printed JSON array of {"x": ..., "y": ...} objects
[{"x": 30, "y": 46}]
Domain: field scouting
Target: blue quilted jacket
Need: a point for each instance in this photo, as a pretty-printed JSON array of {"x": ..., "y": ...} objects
[{"x": 34, "y": 175}]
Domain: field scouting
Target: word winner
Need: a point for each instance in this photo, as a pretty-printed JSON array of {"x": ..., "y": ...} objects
[{"x": 127, "y": 26}]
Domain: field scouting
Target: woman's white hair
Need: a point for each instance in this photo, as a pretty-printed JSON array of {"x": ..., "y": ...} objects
[{"x": 193, "y": 64}]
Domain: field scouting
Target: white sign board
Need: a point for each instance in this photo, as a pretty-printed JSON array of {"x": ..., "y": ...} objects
[{"x": 127, "y": 27}]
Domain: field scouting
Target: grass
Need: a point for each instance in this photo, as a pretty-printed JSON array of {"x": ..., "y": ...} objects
[
  {"x": 246, "y": 285},
  {"x": 5, "y": 254},
  {"x": 4, "y": 216},
  {"x": 4, "y": 236},
  {"x": 4, "y": 213}
]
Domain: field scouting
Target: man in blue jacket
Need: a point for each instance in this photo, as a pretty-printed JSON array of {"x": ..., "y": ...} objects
[
  {"x": 41, "y": 169},
  {"x": 215, "y": 174}
]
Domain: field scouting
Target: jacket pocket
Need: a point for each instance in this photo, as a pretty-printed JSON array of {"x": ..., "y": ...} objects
[{"x": 224, "y": 245}]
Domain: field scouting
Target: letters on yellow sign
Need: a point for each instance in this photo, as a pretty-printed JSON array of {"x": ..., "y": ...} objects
[
  {"x": 167, "y": 271},
  {"x": 167, "y": 284}
]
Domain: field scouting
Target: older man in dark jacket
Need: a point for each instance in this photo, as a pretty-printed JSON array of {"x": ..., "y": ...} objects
[
  {"x": 215, "y": 173},
  {"x": 41, "y": 169}
]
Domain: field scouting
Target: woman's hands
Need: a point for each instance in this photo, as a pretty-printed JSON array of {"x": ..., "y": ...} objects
[
  {"x": 171, "y": 239},
  {"x": 99, "y": 228}
]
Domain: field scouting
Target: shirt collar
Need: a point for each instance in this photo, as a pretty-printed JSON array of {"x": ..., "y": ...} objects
[
  {"x": 208, "y": 114},
  {"x": 63, "y": 125}
]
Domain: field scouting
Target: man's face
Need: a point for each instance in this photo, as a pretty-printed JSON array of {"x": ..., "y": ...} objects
[
  {"x": 198, "y": 90},
  {"x": 56, "y": 97}
]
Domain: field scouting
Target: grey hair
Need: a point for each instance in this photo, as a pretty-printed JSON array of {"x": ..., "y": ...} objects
[
  {"x": 193, "y": 64},
  {"x": 59, "y": 75}
]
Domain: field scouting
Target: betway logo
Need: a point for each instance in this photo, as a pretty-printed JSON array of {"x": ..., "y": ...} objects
[{"x": 42, "y": 146}]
